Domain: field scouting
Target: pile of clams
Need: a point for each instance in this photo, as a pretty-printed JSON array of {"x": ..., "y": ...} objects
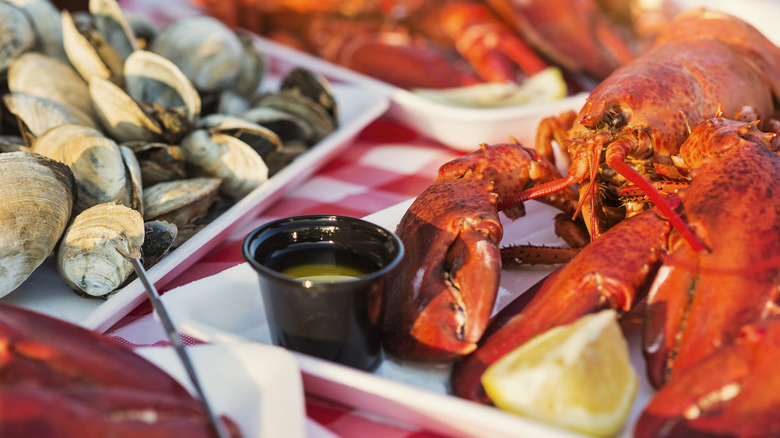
[{"x": 114, "y": 134}]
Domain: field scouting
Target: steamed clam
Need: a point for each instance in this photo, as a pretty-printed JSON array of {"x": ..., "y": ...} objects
[
  {"x": 157, "y": 103},
  {"x": 16, "y": 34},
  {"x": 37, "y": 115},
  {"x": 38, "y": 195},
  {"x": 46, "y": 23},
  {"x": 89, "y": 52},
  {"x": 210, "y": 54},
  {"x": 181, "y": 203},
  {"x": 36, "y": 74},
  {"x": 87, "y": 258},
  {"x": 232, "y": 149},
  {"x": 158, "y": 161},
  {"x": 96, "y": 161}
]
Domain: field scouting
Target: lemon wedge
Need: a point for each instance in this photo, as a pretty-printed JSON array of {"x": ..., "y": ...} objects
[
  {"x": 545, "y": 86},
  {"x": 577, "y": 376}
]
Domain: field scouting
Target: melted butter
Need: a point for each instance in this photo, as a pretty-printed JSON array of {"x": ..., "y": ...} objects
[{"x": 323, "y": 273}]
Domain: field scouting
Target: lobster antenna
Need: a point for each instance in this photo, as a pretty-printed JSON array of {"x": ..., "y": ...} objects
[
  {"x": 616, "y": 160},
  {"x": 538, "y": 191}
]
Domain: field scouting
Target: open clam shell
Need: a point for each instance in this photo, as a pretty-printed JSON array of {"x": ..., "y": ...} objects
[
  {"x": 37, "y": 199},
  {"x": 260, "y": 138},
  {"x": 152, "y": 78},
  {"x": 16, "y": 34},
  {"x": 111, "y": 22},
  {"x": 157, "y": 103},
  {"x": 95, "y": 160},
  {"x": 288, "y": 127},
  {"x": 206, "y": 51},
  {"x": 182, "y": 203},
  {"x": 158, "y": 161},
  {"x": 87, "y": 258},
  {"x": 120, "y": 115},
  {"x": 219, "y": 155},
  {"x": 36, "y": 74},
  {"x": 36, "y": 114},
  {"x": 89, "y": 52},
  {"x": 312, "y": 85},
  {"x": 321, "y": 123},
  {"x": 47, "y": 24}
]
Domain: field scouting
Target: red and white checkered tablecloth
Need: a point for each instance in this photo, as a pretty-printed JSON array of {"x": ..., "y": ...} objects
[{"x": 387, "y": 164}]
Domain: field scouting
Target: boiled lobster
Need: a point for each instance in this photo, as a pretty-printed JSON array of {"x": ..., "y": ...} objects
[
  {"x": 698, "y": 301},
  {"x": 634, "y": 122},
  {"x": 627, "y": 135},
  {"x": 58, "y": 379},
  {"x": 438, "y": 44}
]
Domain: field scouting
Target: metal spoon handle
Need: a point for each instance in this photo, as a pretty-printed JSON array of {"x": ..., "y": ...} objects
[{"x": 135, "y": 258}]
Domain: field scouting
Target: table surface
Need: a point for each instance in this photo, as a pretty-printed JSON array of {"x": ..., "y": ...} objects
[{"x": 387, "y": 164}]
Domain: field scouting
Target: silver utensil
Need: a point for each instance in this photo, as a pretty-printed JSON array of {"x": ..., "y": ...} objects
[{"x": 134, "y": 256}]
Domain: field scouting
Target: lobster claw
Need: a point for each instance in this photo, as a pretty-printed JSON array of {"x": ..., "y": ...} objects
[
  {"x": 729, "y": 393},
  {"x": 439, "y": 302},
  {"x": 454, "y": 269}
]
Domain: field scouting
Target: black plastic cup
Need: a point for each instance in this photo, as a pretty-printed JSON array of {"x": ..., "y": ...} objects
[{"x": 338, "y": 320}]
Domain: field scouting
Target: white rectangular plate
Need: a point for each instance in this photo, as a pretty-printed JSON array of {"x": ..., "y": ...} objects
[
  {"x": 417, "y": 394},
  {"x": 46, "y": 292}
]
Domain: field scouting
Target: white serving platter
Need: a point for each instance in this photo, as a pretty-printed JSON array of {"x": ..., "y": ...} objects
[
  {"x": 227, "y": 308},
  {"x": 257, "y": 386},
  {"x": 46, "y": 292}
]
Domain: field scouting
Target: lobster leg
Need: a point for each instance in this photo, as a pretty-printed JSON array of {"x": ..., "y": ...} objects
[
  {"x": 611, "y": 272},
  {"x": 439, "y": 302},
  {"x": 573, "y": 33},
  {"x": 492, "y": 48}
]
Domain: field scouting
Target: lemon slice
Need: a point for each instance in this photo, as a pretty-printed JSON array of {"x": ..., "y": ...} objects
[
  {"x": 545, "y": 86},
  {"x": 577, "y": 376}
]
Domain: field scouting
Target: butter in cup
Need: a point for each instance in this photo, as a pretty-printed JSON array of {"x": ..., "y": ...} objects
[{"x": 321, "y": 280}]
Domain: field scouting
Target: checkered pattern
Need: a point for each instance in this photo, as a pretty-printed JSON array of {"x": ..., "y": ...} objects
[{"x": 387, "y": 164}]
